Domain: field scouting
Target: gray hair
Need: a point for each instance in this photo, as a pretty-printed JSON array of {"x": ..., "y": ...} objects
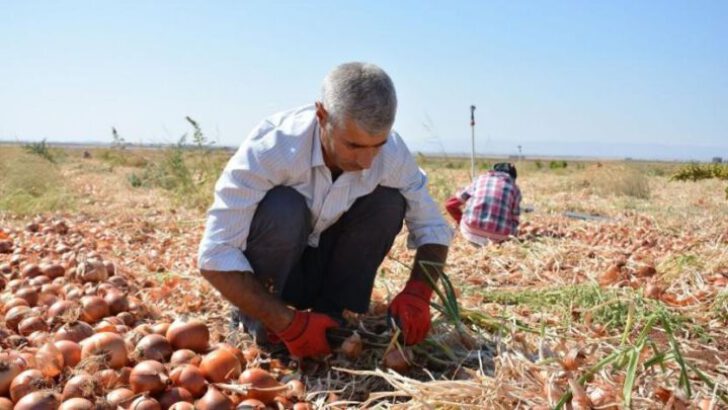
[{"x": 362, "y": 92}]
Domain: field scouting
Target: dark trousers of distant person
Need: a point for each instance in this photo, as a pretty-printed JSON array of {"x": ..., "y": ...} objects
[{"x": 336, "y": 275}]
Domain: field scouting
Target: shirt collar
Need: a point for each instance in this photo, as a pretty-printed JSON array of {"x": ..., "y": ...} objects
[{"x": 317, "y": 155}]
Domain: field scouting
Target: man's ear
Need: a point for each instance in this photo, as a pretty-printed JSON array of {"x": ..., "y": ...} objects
[{"x": 321, "y": 114}]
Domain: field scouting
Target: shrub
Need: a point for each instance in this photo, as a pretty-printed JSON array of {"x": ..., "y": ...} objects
[
  {"x": 558, "y": 164},
  {"x": 41, "y": 149}
]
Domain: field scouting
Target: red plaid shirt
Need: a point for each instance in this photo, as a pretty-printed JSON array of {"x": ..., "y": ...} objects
[{"x": 492, "y": 207}]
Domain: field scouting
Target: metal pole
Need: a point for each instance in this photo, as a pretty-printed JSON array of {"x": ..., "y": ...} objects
[{"x": 472, "y": 142}]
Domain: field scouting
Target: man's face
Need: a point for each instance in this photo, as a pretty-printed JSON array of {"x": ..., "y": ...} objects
[{"x": 347, "y": 147}]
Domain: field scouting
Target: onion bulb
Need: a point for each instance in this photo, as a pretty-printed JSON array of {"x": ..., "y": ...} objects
[
  {"x": 118, "y": 396},
  {"x": 27, "y": 382},
  {"x": 184, "y": 356},
  {"x": 174, "y": 395},
  {"x": 77, "y": 403},
  {"x": 220, "y": 365},
  {"x": 189, "y": 334},
  {"x": 8, "y": 371},
  {"x": 397, "y": 360},
  {"x": 153, "y": 347},
  {"x": 145, "y": 403},
  {"x": 148, "y": 376},
  {"x": 214, "y": 400},
  {"x": 39, "y": 400},
  {"x": 108, "y": 345},
  {"x": 81, "y": 385},
  {"x": 263, "y": 386},
  {"x": 189, "y": 377},
  {"x": 71, "y": 352},
  {"x": 49, "y": 360}
]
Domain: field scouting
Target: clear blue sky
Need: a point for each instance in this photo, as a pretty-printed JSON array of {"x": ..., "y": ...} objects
[{"x": 622, "y": 78}]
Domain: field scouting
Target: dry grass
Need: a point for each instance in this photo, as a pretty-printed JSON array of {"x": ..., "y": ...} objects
[{"x": 539, "y": 326}]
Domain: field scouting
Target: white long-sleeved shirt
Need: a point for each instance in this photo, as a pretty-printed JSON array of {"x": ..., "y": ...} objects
[{"x": 285, "y": 150}]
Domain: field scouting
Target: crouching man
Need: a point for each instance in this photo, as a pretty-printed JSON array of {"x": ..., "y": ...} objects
[{"x": 308, "y": 207}]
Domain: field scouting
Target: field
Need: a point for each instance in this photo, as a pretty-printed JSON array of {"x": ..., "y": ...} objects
[{"x": 623, "y": 304}]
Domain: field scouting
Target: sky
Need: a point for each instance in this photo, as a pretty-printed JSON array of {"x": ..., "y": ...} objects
[{"x": 641, "y": 79}]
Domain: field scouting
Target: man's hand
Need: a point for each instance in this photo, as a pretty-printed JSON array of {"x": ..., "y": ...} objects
[
  {"x": 411, "y": 309},
  {"x": 306, "y": 335}
]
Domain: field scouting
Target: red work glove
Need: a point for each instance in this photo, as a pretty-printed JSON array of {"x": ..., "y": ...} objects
[
  {"x": 306, "y": 335},
  {"x": 411, "y": 310},
  {"x": 452, "y": 206}
]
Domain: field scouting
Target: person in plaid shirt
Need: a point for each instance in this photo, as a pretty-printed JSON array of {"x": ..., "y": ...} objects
[{"x": 492, "y": 206}]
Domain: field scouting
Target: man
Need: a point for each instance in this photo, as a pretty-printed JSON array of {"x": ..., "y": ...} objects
[
  {"x": 492, "y": 206},
  {"x": 309, "y": 206}
]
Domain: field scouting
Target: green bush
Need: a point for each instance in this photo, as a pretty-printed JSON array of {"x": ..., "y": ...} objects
[
  {"x": 558, "y": 164},
  {"x": 40, "y": 149},
  {"x": 696, "y": 172}
]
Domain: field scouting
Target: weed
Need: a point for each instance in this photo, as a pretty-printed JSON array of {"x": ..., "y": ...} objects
[
  {"x": 41, "y": 149},
  {"x": 560, "y": 164}
]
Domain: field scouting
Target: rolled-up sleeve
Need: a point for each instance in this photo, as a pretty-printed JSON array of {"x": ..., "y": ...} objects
[
  {"x": 242, "y": 185},
  {"x": 424, "y": 220}
]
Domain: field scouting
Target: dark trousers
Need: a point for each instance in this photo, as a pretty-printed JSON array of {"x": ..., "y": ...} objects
[{"x": 336, "y": 275}]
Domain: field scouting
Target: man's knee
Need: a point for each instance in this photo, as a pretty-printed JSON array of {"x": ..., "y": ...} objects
[
  {"x": 388, "y": 206},
  {"x": 281, "y": 217}
]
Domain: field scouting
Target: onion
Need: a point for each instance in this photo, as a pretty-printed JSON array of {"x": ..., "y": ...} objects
[
  {"x": 30, "y": 270},
  {"x": 75, "y": 331},
  {"x": 27, "y": 382},
  {"x": 251, "y": 353},
  {"x": 145, "y": 403},
  {"x": 124, "y": 374},
  {"x": 71, "y": 352},
  {"x": 189, "y": 334},
  {"x": 93, "y": 309},
  {"x": 118, "y": 396},
  {"x": 31, "y": 324},
  {"x": 92, "y": 270},
  {"x": 39, "y": 281},
  {"x": 108, "y": 378},
  {"x": 397, "y": 361},
  {"x": 15, "y": 302},
  {"x": 148, "y": 376},
  {"x": 182, "y": 405},
  {"x": 296, "y": 389},
  {"x": 153, "y": 347},
  {"x": 184, "y": 356},
  {"x": 302, "y": 405},
  {"x": 50, "y": 360},
  {"x": 189, "y": 377},
  {"x": 220, "y": 365},
  {"x": 8, "y": 371},
  {"x": 39, "y": 400},
  {"x": 117, "y": 301},
  {"x": 232, "y": 349},
  {"x": 62, "y": 307},
  {"x": 7, "y": 404},
  {"x": 174, "y": 395},
  {"x": 81, "y": 385},
  {"x": 260, "y": 379},
  {"x": 108, "y": 345},
  {"x": 214, "y": 400},
  {"x": 127, "y": 317},
  {"x": 15, "y": 315},
  {"x": 352, "y": 346},
  {"x": 39, "y": 338},
  {"x": 29, "y": 294},
  {"x": 52, "y": 270},
  {"x": 161, "y": 328},
  {"x": 252, "y": 404},
  {"x": 77, "y": 403}
]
